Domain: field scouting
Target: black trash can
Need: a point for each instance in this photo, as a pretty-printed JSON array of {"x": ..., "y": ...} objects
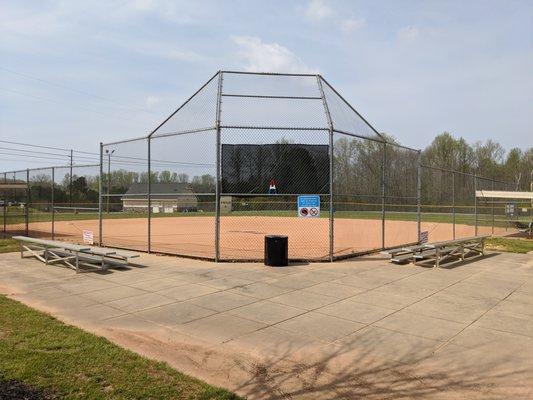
[{"x": 276, "y": 251}]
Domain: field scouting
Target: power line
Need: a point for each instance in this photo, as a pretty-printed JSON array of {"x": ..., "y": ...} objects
[
  {"x": 46, "y": 147},
  {"x": 62, "y": 86}
]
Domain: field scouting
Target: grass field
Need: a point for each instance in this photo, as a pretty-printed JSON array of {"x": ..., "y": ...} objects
[
  {"x": 510, "y": 245},
  {"x": 64, "y": 362},
  {"x": 8, "y": 245},
  {"x": 460, "y": 218}
]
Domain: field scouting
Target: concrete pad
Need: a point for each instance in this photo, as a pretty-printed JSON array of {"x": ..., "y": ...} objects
[
  {"x": 140, "y": 302},
  {"x": 47, "y": 293},
  {"x": 475, "y": 336},
  {"x": 321, "y": 326},
  {"x": 292, "y": 282},
  {"x": 304, "y": 300},
  {"x": 380, "y": 299},
  {"x": 365, "y": 280},
  {"x": 409, "y": 291},
  {"x": 187, "y": 292},
  {"x": 157, "y": 284},
  {"x": 506, "y": 322},
  {"x": 219, "y": 328},
  {"x": 175, "y": 314},
  {"x": 450, "y": 308},
  {"x": 113, "y": 293},
  {"x": 260, "y": 290},
  {"x": 97, "y": 312},
  {"x": 420, "y": 325},
  {"x": 91, "y": 285},
  {"x": 272, "y": 343},
  {"x": 267, "y": 312},
  {"x": 521, "y": 297},
  {"x": 227, "y": 282},
  {"x": 357, "y": 312},
  {"x": 222, "y": 301},
  {"x": 515, "y": 308},
  {"x": 335, "y": 290},
  {"x": 378, "y": 346}
]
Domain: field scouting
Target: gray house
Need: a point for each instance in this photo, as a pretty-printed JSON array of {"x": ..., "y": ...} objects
[{"x": 165, "y": 198}]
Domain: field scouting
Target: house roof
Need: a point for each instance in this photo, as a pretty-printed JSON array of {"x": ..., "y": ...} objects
[{"x": 158, "y": 190}]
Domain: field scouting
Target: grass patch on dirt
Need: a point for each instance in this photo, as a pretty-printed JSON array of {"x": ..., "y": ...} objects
[
  {"x": 8, "y": 245},
  {"x": 42, "y": 353},
  {"x": 510, "y": 245}
]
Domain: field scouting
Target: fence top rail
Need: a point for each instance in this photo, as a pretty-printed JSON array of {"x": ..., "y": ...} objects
[
  {"x": 51, "y": 167},
  {"x": 145, "y": 137},
  {"x": 265, "y": 73}
]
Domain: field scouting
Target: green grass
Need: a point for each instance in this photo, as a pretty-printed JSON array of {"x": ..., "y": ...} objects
[
  {"x": 510, "y": 245},
  {"x": 8, "y": 245},
  {"x": 42, "y": 352},
  {"x": 435, "y": 217}
]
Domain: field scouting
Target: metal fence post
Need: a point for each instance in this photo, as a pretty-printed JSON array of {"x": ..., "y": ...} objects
[
  {"x": 383, "y": 192},
  {"x": 53, "y": 202},
  {"x": 492, "y": 206},
  {"x": 218, "y": 166},
  {"x": 100, "y": 199},
  {"x": 149, "y": 198},
  {"x": 419, "y": 194},
  {"x": 70, "y": 178},
  {"x": 4, "y": 204},
  {"x": 475, "y": 203},
  {"x": 453, "y": 203},
  {"x": 27, "y": 208},
  {"x": 331, "y": 154}
]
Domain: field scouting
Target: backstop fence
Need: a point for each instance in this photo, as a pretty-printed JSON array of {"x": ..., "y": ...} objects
[{"x": 255, "y": 154}]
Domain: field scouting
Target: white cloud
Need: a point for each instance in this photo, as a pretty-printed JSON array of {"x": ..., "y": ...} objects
[
  {"x": 408, "y": 33},
  {"x": 152, "y": 101},
  {"x": 269, "y": 57},
  {"x": 165, "y": 50},
  {"x": 351, "y": 24},
  {"x": 317, "y": 10}
]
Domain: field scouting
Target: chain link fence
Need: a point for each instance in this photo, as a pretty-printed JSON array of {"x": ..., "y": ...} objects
[
  {"x": 236, "y": 162},
  {"x": 51, "y": 203}
]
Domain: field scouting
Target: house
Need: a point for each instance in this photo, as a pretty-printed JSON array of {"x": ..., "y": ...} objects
[{"x": 165, "y": 197}]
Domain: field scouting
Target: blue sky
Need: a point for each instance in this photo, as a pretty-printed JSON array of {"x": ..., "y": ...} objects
[{"x": 75, "y": 73}]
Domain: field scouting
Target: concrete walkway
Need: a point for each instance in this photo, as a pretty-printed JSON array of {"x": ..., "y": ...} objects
[{"x": 361, "y": 328}]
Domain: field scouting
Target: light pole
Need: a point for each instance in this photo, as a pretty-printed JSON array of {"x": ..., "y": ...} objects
[{"x": 108, "y": 177}]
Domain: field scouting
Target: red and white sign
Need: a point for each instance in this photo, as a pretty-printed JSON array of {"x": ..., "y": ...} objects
[{"x": 88, "y": 237}]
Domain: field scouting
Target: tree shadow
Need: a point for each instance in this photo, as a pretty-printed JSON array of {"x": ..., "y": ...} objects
[{"x": 361, "y": 369}]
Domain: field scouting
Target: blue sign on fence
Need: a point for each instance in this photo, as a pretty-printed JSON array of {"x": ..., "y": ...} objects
[{"x": 309, "y": 206}]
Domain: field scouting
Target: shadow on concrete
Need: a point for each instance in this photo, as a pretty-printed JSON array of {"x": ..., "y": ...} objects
[{"x": 362, "y": 370}]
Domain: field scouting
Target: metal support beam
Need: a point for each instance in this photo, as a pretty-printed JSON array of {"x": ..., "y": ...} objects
[
  {"x": 218, "y": 185},
  {"x": 419, "y": 194},
  {"x": 70, "y": 178},
  {"x": 331, "y": 199},
  {"x": 475, "y": 204},
  {"x": 383, "y": 193},
  {"x": 53, "y": 203},
  {"x": 492, "y": 207},
  {"x": 149, "y": 197},
  {"x": 453, "y": 204},
  {"x": 27, "y": 205},
  {"x": 100, "y": 198}
]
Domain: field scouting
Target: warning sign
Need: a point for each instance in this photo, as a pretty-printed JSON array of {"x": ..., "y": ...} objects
[
  {"x": 309, "y": 206},
  {"x": 88, "y": 237}
]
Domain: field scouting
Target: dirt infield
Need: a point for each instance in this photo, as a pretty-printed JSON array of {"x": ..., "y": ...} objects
[{"x": 242, "y": 236}]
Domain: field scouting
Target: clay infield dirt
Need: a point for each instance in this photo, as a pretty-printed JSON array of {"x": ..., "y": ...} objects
[{"x": 242, "y": 237}]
